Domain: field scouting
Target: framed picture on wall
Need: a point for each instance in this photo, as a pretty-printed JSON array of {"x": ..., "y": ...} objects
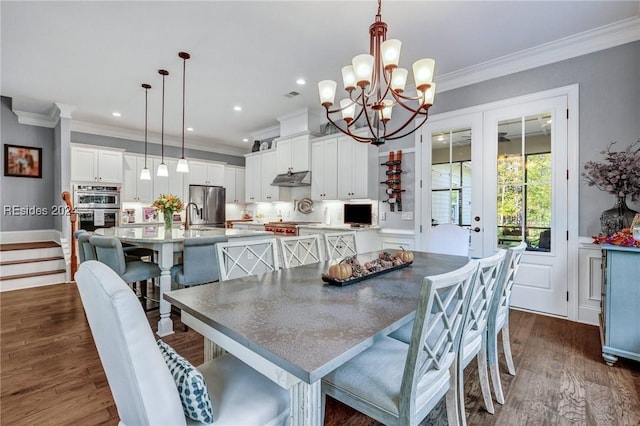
[{"x": 22, "y": 161}]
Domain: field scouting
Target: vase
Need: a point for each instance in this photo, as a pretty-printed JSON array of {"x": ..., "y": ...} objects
[
  {"x": 168, "y": 222},
  {"x": 616, "y": 218}
]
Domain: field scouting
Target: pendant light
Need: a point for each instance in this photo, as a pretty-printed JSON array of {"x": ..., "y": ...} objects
[
  {"x": 144, "y": 173},
  {"x": 162, "y": 168},
  {"x": 183, "y": 166}
]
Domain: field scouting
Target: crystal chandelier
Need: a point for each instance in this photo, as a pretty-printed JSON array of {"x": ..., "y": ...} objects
[{"x": 375, "y": 85}]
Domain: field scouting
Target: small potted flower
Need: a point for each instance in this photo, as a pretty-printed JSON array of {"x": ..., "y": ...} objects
[
  {"x": 168, "y": 204},
  {"x": 619, "y": 175}
]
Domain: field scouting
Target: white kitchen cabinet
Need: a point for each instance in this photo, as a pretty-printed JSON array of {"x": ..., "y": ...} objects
[
  {"x": 293, "y": 154},
  {"x": 95, "y": 165},
  {"x": 253, "y": 167},
  {"x": 268, "y": 173},
  {"x": 324, "y": 168},
  {"x": 260, "y": 170},
  {"x": 134, "y": 189},
  {"x": 172, "y": 184},
  {"x": 234, "y": 184},
  {"x": 356, "y": 162},
  {"x": 202, "y": 173}
]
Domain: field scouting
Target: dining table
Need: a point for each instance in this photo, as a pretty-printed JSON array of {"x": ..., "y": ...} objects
[
  {"x": 165, "y": 243},
  {"x": 294, "y": 328}
]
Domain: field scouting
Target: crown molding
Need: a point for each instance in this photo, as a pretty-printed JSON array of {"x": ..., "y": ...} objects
[
  {"x": 138, "y": 136},
  {"x": 618, "y": 33},
  {"x": 49, "y": 120},
  {"x": 266, "y": 133}
]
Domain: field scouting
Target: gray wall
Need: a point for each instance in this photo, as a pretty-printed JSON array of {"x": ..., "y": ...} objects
[
  {"x": 27, "y": 192},
  {"x": 137, "y": 147},
  {"x": 609, "y": 111}
]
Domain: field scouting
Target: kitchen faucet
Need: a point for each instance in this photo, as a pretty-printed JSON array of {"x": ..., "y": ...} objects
[{"x": 188, "y": 213}]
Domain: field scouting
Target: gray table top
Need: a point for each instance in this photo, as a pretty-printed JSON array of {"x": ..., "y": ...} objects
[{"x": 309, "y": 328}]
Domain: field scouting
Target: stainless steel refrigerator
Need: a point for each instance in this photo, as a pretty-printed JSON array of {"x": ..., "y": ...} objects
[{"x": 209, "y": 205}]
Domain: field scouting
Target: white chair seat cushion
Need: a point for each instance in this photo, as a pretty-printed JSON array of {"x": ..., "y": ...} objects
[
  {"x": 242, "y": 396},
  {"x": 375, "y": 376},
  {"x": 190, "y": 383}
]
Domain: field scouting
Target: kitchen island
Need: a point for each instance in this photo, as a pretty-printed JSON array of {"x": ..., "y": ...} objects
[{"x": 155, "y": 237}]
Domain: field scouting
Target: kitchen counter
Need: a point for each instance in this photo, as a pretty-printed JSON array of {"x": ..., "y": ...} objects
[
  {"x": 155, "y": 233},
  {"x": 339, "y": 227}
]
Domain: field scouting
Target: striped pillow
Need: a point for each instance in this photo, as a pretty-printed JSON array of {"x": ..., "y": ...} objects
[{"x": 191, "y": 385}]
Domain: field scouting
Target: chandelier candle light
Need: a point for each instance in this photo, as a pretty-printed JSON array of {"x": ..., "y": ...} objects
[
  {"x": 144, "y": 173},
  {"x": 381, "y": 84},
  {"x": 183, "y": 166}
]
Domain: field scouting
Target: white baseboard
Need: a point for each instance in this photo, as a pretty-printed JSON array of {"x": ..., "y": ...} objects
[{"x": 31, "y": 236}]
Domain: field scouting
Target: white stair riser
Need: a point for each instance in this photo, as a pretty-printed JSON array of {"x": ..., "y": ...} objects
[
  {"x": 27, "y": 268},
  {"x": 40, "y": 253},
  {"x": 32, "y": 282}
]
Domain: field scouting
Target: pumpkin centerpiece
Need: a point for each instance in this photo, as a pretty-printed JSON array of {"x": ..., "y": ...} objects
[
  {"x": 405, "y": 255},
  {"x": 340, "y": 271}
]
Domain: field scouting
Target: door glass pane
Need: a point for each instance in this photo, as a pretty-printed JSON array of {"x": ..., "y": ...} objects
[
  {"x": 451, "y": 177},
  {"x": 524, "y": 182}
]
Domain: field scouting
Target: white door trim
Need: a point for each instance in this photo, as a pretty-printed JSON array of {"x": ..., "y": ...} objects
[{"x": 573, "y": 174}]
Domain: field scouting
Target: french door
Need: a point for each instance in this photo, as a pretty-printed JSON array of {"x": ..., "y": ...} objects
[{"x": 501, "y": 173}]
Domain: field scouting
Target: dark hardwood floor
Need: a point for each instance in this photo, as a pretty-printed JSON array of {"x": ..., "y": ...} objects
[{"x": 51, "y": 373}]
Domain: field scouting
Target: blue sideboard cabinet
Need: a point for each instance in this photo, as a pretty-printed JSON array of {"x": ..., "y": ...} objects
[{"x": 620, "y": 316}]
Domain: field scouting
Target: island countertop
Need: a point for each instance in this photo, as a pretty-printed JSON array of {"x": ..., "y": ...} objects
[{"x": 157, "y": 233}]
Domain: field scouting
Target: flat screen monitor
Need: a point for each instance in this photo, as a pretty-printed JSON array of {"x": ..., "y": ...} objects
[{"x": 357, "y": 214}]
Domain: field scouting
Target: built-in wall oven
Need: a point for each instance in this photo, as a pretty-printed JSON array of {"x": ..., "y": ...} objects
[{"x": 97, "y": 206}]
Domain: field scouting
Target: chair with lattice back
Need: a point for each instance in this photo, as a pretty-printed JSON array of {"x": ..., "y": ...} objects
[
  {"x": 340, "y": 244},
  {"x": 399, "y": 384},
  {"x": 300, "y": 250},
  {"x": 247, "y": 257},
  {"x": 498, "y": 319}
]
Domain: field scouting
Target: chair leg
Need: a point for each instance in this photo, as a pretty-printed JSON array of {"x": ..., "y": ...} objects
[
  {"x": 484, "y": 378},
  {"x": 453, "y": 417},
  {"x": 462, "y": 414},
  {"x": 506, "y": 344},
  {"x": 323, "y": 406},
  {"x": 494, "y": 369}
]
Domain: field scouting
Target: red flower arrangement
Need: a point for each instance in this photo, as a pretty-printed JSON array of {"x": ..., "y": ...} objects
[{"x": 621, "y": 238}]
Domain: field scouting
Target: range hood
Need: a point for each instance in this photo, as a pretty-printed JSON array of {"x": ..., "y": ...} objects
[{"x": 293, "y": 179}]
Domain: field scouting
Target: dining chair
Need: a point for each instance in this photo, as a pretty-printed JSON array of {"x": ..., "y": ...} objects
[
  {"x": 340, "y": 244},
  {"x": 141, "y": 383},
  {"x": 247, "y": 257},
  {"x": 474, "y": 334},
  {"x": 85, "y": 249},
  {"x": 399, "y": 384},
  {"x": 300, "y": 250},
  {"x": 448, "y": 238},
  {"x": 109, "y": 251},
  {"x": 199, "y": 261},
  {"x": 498, "y": 318}
]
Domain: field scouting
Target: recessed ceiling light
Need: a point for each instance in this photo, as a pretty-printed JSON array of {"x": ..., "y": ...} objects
[
  {"x": 116, "y": 114},
  {"x": 301, "y": 81},
  {"x": 189, "y": 129},
  {"x": 245, "y": 140},
  {"x": 237, "y": 108}
]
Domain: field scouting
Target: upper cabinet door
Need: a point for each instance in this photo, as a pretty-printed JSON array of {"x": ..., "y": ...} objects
[
  {"x": 84, "y": 164},
  {"x": 110, "y": 166},
  {"x": 283, "y": 158},
  {"x": 293, "y": 154}
]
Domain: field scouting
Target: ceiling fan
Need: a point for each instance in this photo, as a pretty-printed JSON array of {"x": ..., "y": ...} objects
[{"x": 502, "y": 137}]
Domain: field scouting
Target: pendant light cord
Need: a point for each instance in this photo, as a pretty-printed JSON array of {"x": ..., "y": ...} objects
[
  {"x": 146, "y": 104},
  {"x": 184, "y": 68},
  {"x": 164, "y": 73}
]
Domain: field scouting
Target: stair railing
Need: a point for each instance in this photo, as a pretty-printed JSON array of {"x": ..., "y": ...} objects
[{"x": 73, "y": 217}]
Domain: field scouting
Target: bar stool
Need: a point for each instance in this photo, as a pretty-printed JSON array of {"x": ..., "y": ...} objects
[{"x": 199, "y": 262}]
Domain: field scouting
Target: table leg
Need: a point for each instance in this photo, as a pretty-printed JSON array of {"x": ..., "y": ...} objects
[
  {"x": 306, "y": 404},
  {"x": 211, "y": 350},
  {"x": 165, "y": 261}
]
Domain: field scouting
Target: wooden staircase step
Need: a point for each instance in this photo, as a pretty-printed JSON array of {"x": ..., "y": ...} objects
[
  {"x": 28, "y": 246},
  {"x": 32, "y": 274},
  {"x": 39, "y": 259}
]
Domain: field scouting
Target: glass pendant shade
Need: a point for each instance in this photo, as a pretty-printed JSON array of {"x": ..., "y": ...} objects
[
  {"x": 390, "y": 51},
  {"x": 363, "y": 69},
  {"x": 348, "y": 109},
  {"x": 348, "y": 78},
  {"x": 423, "y": 73},
  {"x": 399, "y": 79},
  {"x": 162, "y": 170},
  {"x": 183, "y": 166},
  {"x": 145, "y": 174},
  {"x": 327, "y": 91},
  {"x": 385, "y": 112},
  {"x": 429, "y": 95}
]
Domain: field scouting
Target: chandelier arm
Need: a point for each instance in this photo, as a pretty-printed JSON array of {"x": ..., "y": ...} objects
[
  {"x": 418, "y": 111},
  {"x": 391, "y": 136},
  {"x": 347, "y": 131}
]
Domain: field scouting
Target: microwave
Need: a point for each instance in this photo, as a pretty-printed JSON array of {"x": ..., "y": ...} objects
[{"x": 96, "y": 197}]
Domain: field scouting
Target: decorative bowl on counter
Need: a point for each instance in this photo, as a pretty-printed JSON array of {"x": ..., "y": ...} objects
[{"x": 349, "y": 270}]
